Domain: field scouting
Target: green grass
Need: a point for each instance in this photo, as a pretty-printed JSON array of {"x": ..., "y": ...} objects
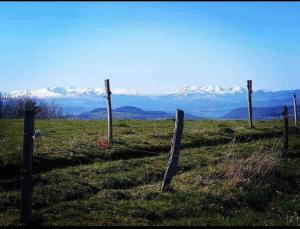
[{"x": 78, "y": 183}]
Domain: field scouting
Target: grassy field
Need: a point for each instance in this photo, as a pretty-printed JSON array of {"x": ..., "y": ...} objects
[{"x": 228, "y": 174}]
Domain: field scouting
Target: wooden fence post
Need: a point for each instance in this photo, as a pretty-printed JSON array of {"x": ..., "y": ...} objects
[
  {"x": 175, "y": 146},
  {"x": 26, "y": 177},
  {"x": 249, "y": 86},
  {"x": 109, "y": 114},
  {"x": 295, "y": 110},
  {"x": 1, "y": 106},
  {"x": 286, "y": 130}
]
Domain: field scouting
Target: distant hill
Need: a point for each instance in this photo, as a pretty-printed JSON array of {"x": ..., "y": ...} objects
[
  {"x": 98, "y": 110},
  {"x": 129, "y": 109},
  {"x": 260, "y": 113},
  {"x": 130, "y": 112}
]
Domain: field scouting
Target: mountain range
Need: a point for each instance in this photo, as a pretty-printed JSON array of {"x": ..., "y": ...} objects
[
  {"x": 129, "y": 112},
  {"x": 72, "y": 92},
  {"x": 207, "y": 102}
]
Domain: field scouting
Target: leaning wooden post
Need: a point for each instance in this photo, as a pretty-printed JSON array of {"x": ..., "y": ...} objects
[
  {"x": 249, "y": 85},
  {"x": 175, "y": 146},
  {"x": 26, "y": 177},
  {"x": 109, "y": 114},
  {"x": 295, "y": 110},
  {"x": 286, "y": 130}
]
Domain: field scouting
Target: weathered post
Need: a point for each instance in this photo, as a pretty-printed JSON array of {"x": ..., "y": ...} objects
[
  {"x": 26, "y": 177},
  {"x": 295, "y": 110},
  {"x": 1, "y": 106},
  {"x": 249, "y": 86},
  {"x": 175, "y": 146},
  {"x": 286, "y": 130},
  {"x": 109, "y": 114}
]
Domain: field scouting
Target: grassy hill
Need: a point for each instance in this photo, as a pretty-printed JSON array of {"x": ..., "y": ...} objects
[{"x": 228, "y": 174}]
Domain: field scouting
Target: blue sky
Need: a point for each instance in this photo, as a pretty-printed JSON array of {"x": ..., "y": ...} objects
[{"x": 149, "y": 46}]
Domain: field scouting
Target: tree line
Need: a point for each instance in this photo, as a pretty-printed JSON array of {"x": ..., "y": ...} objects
[{"x": 14, "y": 107}]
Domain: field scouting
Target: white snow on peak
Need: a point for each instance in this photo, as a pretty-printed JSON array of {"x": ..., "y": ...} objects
[
  {"x": 208, "y": 90},
  {"x": 122, "y": 91},
  {"x": 69, "y": 92},
  {"x": 72, "y": 92},
  {"x": 40, "y": 93}
]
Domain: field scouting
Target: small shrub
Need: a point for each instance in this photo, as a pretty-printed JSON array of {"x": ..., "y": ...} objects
[
  {"x": 227, "y": 130},
  {"x": 254, "y": 168},
  {"x": 121, "y": 124}
]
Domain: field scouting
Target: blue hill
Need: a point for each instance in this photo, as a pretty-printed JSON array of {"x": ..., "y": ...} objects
[
  {"x": 260, "y": 113},
  {"x": 130, "y": 112}
]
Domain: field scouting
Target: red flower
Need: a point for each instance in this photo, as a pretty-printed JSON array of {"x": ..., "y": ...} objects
[{"x": 103, "y": 144}]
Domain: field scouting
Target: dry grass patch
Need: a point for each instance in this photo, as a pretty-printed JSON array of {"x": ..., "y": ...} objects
[{"x": 256, "y": 167}]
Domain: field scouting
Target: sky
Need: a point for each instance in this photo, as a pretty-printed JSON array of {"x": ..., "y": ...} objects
[{"x": 149, "y": 46}]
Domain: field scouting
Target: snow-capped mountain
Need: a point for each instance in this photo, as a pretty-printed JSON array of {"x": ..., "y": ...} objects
[
  {"x": 68, "y": 92},
  {"x": 208, "y": 90},
  {"x": 72, "y": 92},
  {"x": 210, "y": 101}
]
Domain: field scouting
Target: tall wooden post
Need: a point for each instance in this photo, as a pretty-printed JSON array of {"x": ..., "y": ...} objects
[
  {"x": 286, "y": 130},
  {"x": 175, "y": 146},
  {"x": 249, "y": 86},
  {"x": 26, "y": 177},
  {"x": 109, "y": 114},
  {"x": 1, "y": 106},
  {"x": 295, "y": 110}
]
